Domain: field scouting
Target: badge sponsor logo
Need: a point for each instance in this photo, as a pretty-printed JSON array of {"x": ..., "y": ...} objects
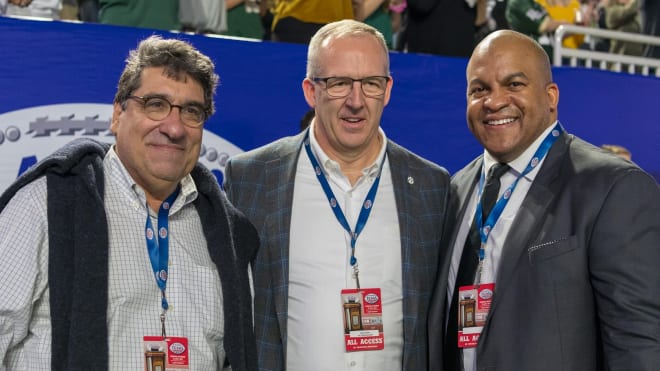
[
  {"x": 371, "y": 298},
  {"x": 177, "y": 348},
  {"x": 486, "y": 294}
]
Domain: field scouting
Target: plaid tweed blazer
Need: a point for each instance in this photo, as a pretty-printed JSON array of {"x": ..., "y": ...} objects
[{"x": 260, "y": 183}]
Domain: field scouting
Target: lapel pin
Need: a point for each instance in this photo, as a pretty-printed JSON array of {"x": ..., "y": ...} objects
[{"x": 411, "y": 180}]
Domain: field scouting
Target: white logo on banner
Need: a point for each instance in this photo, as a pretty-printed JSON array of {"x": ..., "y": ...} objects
[{"x": 28, "y": 135}]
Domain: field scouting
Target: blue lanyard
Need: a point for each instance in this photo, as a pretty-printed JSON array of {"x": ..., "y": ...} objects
[
  {"x": 367, "y": 205},
  {"x": 158, "y": 248},
  {"x": 495, "y": 214}
]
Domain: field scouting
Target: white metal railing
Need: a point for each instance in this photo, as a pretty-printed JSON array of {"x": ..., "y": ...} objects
[{"x": 604, "y": 60}]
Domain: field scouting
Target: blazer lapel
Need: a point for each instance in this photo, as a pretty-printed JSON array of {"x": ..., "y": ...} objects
[
  {"x": 280, "y": 176},
  {"x": 405, "y": 202},
  {"x": 462, "y": 186},
  {"x": 528, "y": 222}
]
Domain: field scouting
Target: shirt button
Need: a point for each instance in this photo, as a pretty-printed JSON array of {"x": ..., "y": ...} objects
[{"x": 353, "y": 363}]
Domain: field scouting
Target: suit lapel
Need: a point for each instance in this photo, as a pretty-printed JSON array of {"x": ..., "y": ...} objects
[
  {"x": 462, "y": 185},
  {"x": 280, "y": 176},
  {"x": 399, "y": 169},
  {"x": 528, "y": 222},
  {"x": 410, "y": 206}
]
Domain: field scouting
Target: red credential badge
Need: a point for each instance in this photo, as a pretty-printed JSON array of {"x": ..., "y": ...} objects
[
  {"x": 473, "y": 307},
  {"x": 363, "y": 319},
  {"x": 168, "y": 354}
]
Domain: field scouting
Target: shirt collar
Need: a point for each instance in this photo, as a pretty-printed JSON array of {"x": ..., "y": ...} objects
[
  {"x": 330, "y": 166},
  {"x": 187, "y": 194}
]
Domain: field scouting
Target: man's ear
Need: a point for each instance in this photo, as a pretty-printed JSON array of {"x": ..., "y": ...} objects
[
  {"x": 114, "y": 123},
  {"x": 309, "y": 90},
  {"x": 553, "y": 96}
]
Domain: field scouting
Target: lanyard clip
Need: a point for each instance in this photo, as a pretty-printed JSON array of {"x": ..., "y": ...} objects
[
  {"x": 356, "y": 272},
  {"x": 162, "y": 323}
]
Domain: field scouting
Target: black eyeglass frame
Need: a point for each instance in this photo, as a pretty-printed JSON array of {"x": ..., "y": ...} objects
[
  {"x": 145, "y": 99},
  {"x": 326, "y": 79}
]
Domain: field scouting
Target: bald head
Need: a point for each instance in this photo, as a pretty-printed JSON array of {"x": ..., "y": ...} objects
[
  {"x": 511, "y": 98},
  {"x": 504, "y": 41}
]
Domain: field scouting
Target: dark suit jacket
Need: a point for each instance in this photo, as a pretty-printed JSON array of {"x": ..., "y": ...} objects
[
  {"x": 578, "y": 286},
  {"x": 260, "y": 183}
]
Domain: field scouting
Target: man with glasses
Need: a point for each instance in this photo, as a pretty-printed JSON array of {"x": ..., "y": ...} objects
[
  {"x": 350, "y": 222},
  {"x": 128, "y": 257}
]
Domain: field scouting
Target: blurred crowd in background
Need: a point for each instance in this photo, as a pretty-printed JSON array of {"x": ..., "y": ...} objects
[{"x": 441, "y": 27}]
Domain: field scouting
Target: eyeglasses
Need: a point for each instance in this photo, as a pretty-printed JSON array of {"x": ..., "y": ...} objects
[
  {"x": 158, "y": 108},
  {"x": 340, "y": 87}
]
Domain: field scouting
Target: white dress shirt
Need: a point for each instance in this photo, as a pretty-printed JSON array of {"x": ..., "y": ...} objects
[
  {"x": 319, "y": 267},
  {"x": 497, "y": 237}
]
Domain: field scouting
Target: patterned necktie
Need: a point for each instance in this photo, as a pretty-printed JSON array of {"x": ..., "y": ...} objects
[{"x": 467, "y": 268}]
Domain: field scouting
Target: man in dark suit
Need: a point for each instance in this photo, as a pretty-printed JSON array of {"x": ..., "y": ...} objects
[
  {"x": 571, "y": 246},
  {"x": 310, "y": 254}
]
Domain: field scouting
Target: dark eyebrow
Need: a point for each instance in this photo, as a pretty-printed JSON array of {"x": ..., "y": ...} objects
[
  {"x": 169, "y": 99},
  {"x": 475, "y": 81},
  {"x": 515, "y": 75},
  {"x": 147, "y": 96},
  {"x": 506, "y": 78}
]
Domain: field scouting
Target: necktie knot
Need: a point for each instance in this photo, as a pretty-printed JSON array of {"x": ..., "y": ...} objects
[{"x": 496, "y": 171}]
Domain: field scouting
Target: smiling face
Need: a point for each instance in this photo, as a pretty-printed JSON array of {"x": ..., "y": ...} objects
[
  {"x": 158, "y": 154},
  {"x": 347, "y": 128},
  {"x": 511, "y": 98}
]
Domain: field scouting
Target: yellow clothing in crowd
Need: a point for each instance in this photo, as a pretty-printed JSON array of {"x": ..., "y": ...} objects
[
  {"x": 313, "y": 11},
  {"x": 564, "y": 11}
]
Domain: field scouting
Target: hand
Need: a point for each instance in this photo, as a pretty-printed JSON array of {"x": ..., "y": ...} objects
[{"x": 398, "y": 6}]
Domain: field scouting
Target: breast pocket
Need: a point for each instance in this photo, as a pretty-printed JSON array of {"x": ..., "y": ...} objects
[{"x": 551, "y": 249}]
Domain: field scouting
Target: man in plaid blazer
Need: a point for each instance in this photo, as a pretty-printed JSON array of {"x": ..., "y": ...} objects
[{"x": 281, "y": 187}]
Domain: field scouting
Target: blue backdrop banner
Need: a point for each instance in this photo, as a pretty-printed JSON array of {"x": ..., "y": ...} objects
[{"x": 58, "y": 79}]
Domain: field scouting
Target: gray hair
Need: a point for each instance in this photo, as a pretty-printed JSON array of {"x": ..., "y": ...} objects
[
  {"x": 337, "y": 30},
  {"x": 178, "y": 57}
]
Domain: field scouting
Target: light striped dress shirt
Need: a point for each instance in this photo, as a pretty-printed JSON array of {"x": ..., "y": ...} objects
[{"x": 193, "y": 286}]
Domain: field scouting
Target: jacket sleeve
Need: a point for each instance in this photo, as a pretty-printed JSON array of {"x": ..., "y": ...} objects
[{"x": 624, "y": 253}]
